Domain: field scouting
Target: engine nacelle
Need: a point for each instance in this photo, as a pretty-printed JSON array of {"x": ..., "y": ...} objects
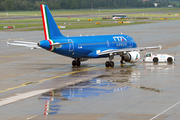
[{"x": 131, "y": 57}]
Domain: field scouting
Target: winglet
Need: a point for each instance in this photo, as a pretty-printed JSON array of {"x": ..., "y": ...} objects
[{"x": 8, "y": 43}]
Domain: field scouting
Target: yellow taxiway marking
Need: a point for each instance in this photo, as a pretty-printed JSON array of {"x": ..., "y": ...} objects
[
  {"x": 41, "y": 81},
  {"x": 64, "y": 75}
]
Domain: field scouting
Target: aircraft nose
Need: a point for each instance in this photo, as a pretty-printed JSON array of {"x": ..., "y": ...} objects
[{"x": 44, "y": 44}]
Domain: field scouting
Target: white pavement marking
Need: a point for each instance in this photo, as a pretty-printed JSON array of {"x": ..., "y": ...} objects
[
  {"x": 21, "y": 96},
  {"x": 165, "y": 110}
]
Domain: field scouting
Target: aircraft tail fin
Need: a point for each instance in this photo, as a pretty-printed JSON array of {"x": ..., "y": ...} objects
[{"x": 50, "y": 27}]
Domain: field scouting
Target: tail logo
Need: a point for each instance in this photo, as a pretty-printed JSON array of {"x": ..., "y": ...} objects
[
  {"x": 46, "y": 26},
  {"x": 52, "y": 48},
  {"x": 45, "y": 22},
  {"x": 51, "y": 30}
]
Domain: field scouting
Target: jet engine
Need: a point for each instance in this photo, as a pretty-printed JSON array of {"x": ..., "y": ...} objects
[{"x": 131, "y": 57}]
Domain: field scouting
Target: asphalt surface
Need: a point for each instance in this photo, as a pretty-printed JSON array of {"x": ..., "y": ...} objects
[{"x": 37, "y": 84}]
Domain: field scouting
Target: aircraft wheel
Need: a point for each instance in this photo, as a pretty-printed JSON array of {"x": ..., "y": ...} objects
[
  {"x": 155, "y": 60},
  {"x": 169, "y": 60},
  {"x": 73, "y": 63},
  {"x": 121, "y": 62},
  {"x": 107, "y": 64},
  {"x": 111, "y": 64},
  {"x": 78, "y": 63}
]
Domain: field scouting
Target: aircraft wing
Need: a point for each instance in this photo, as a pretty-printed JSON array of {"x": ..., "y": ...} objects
[
  {"x": 32, "y": 45},
  {"x": 128, "y": 50}
]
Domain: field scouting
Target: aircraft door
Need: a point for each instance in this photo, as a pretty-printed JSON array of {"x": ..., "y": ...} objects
[{"x": 71, "y": 45}]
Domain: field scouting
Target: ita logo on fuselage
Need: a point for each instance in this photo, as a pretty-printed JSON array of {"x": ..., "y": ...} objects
[{"x": 119, "y": 38}]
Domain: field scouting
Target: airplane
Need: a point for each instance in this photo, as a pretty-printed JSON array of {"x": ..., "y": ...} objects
[{"x": 82, "y": 48}]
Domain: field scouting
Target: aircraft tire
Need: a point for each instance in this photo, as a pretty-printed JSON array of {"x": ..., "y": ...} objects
[
  {"x": 73, "y": 63},
  {"x": 121, "y": 62},
  {"x": 169, "y": 60},
  {"x": 111, "y": 64},
  {"x": 107, "y": 64},
  {"x": 78, "y": 63},
  {"x": 155, "y": 60}
]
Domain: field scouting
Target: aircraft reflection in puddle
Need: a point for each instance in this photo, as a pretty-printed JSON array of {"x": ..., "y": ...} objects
[
  {"x": 122, "y": 76},
  {"x": 93, "y": 88},
  {"x": 157, "y": 67},
  {"x": 128, "y": 77}
]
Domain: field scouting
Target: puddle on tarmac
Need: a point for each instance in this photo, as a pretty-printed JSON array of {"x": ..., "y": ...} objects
[
  {"x": 93, "y": 88},
  {"x": 122, "y": 76},
  {"x": 117, "y": 81},
  {"x": 150, "y": 67}
]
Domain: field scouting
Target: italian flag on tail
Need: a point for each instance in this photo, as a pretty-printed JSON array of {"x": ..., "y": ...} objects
[
  {"x": 46, "y": 26},
  {"x": 45, "y": 22},
  {"x": 51, "y": 31}
]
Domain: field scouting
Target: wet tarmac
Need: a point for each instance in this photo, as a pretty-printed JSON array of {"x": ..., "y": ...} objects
[{"x": 37, "y": 85}]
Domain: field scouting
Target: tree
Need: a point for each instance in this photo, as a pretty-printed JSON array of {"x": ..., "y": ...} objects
[
  {"x": 77, "y": 4},
  {"x": 74, "y": 4},
  {"x": 63, "y": 4},
  {"x": 29, "y": 5},
  {"x": 2, "y": 6},
  {"x": 9, "y": 5},
  {"x": 174, "y": 5}
]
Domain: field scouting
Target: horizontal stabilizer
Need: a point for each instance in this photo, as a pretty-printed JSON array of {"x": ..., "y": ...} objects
[
  {"x": 58, "y": 45},
  {"x": 32, "y": 45},
  {"x": 25, "y": 42}
]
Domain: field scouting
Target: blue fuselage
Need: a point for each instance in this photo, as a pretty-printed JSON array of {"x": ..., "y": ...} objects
[{"x": 89, "y": 46}]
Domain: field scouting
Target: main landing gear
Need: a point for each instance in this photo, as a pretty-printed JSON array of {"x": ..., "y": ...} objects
[
  {"x": 109, "y": 64},
  {"x": 76, "y": 63},
  {"x": 122, "y": 62}
]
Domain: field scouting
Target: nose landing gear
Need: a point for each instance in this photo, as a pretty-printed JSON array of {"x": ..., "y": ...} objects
[
  {"x": 110, "y": 63},
  {"x": 76, "y": 63}
]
